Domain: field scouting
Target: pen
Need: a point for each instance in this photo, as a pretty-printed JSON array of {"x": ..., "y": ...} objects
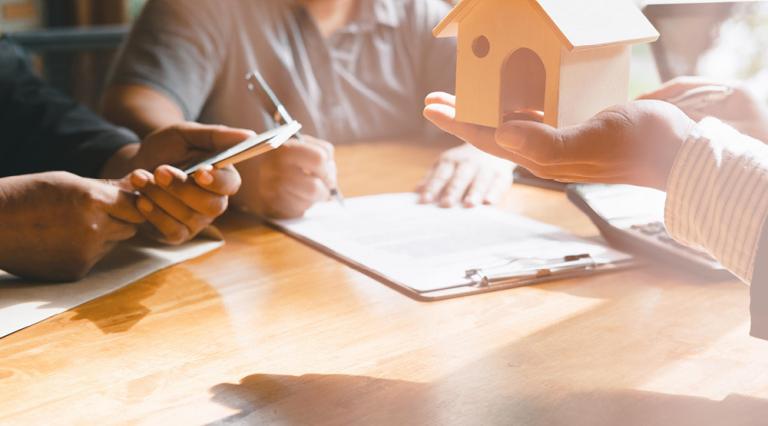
[{"x": 281, "y": 114}]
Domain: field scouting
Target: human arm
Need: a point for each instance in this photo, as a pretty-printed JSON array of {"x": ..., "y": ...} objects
[
  {"x": 286, "y": 182},
  {"x": 635, "y": 143},
  {"x": 716, "y": 177},
  {"x": 56, "y": 226},
  {"x": 141, "y": 108},
  {"x": 176, "y": 205},
  {"x": 45, "y": 130},
  {"x": 168, "y": 64},
  {"x": 732, "y": 103}
]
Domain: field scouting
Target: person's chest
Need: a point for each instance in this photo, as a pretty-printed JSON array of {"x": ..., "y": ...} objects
[{"x": 356, "y": 84}]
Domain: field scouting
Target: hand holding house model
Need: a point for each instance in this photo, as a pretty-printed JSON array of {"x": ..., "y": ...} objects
[{"x": 561, "y": 60}]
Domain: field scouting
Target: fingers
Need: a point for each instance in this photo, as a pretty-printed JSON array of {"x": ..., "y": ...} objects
[
  {"x": 210, "y": 137},
  {"x": 440, "y": 98},
  {"x": 190, "y": 195},
  {"x": 437, "y": 180},
  {"x": 165, "y": 175},
  {"x": 677, "y": 87},
  {"x": 185, "y": 142},
  {"x": 297, "y": 194},
  {"x": 314, "y": 157},
  {"x": 170, "y": 230},
  {"x": 487, "y": 187},
  {"x": 546, "y": 151},
  {"x": 444, "y": 117},
  {"x": 178, "y": 208},
  {"x": 310, "y": 156},
  {"x": 332, "y": 176},
  {"x": 224, "y": 181},
  {"x": 187, "y": 203},
  {"x": 305, "y": 188},
  {"x": 497, "y": 188},
  {"x": 536, "y": 142},
  {"x": 116, "y": 230},
  {"x": 458, "y": 184},
  {"x": 121, "y": 205}
]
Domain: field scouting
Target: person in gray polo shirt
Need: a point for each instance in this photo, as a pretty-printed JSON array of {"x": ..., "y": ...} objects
[{"x": 348, "y": 70}]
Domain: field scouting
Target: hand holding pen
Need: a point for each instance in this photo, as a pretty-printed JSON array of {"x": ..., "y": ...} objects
[
  {"x": 733, "y": 104},
  {"x": 255, "y": 80},
  {"x": 284, "y": 183}
]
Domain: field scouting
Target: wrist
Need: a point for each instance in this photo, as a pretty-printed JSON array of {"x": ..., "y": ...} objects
[{"x": 667, "y": 132}]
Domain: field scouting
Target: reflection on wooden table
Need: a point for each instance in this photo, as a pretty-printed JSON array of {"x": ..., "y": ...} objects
[{"x": 269, "y": 331}]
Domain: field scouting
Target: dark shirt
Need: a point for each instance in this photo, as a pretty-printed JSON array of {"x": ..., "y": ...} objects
[{"x": 44, "y": 130}]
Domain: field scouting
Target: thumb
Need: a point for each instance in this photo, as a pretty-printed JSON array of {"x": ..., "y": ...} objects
[
  {"x": 118, "y": 203},
  {"x": 532, "y": 141},
  {"x": 444, "y": 117},
  {"x": 211, "y": 137}
]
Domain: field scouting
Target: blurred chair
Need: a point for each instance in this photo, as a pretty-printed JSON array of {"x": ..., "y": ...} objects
[
  {"x": 70, "y": 40},
  {"x": 75, "y": 60}
]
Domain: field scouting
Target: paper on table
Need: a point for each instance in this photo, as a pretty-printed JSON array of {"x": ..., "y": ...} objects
[
  {"x": 426, "y": 248},
  {"x": 24, "y": 303}
]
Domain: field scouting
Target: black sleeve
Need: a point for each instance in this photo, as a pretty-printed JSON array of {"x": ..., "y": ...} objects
[
  {"x": 758, "y": 304},
  {"x": 44, "y": 130}
]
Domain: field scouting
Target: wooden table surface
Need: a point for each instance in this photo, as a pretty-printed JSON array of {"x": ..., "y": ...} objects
[{"x": 269, "y": 331}]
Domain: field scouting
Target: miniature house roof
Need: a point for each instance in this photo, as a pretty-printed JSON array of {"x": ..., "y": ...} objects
[{"x": 581, "y": 24}]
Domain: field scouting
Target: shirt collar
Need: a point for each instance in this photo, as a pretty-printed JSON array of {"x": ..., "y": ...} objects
[{"x": 377, "y": 12}]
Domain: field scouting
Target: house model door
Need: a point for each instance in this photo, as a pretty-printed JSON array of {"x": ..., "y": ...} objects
[{"x": 523, "y": 86}]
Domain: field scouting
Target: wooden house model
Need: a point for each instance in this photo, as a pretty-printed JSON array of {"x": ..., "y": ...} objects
[{"x": 566, "y": 60}]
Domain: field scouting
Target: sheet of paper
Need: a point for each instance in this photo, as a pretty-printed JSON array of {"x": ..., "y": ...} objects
[
  {"x": 426, "y": 248},
  {"x": 24, "y": 303}
]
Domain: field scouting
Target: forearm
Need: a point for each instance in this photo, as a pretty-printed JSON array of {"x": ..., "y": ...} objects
[
  {"x": 140, "y": 108},
  {"x": 45, "y": 130},
  {"x": 717, "y": 195}
]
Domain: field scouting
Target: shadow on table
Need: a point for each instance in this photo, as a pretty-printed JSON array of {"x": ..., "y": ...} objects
[
  {"x": 120, "y": 311},
  {"x": 581, "y": 370},
  {"x": 315, "y": 399},
  {"x": 321, "y": 399}
]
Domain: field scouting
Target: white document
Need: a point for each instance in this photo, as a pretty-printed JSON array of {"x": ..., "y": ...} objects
[
  {"x": 24, "y": 303},
  {"x": 424, "y": 248}
]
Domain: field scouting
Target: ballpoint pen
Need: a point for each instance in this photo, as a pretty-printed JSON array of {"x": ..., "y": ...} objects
[{"x": 281, "y": 114}]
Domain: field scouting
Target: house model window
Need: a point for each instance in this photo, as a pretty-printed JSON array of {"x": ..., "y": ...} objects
[
  {"x": 481, "y": 46},
  {"x": 562, "y": 61}
]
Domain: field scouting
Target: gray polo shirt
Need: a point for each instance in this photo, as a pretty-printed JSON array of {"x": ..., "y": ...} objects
[{"x": 366, "y": 81}]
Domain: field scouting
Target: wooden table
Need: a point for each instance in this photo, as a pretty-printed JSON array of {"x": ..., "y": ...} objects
[{"x": 269, "y": 331}]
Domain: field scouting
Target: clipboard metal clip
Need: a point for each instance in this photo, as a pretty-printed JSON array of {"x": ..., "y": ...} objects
[{"x": 529, "y": 269}]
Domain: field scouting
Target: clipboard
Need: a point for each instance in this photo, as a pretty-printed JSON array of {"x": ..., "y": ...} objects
[{"x": 325, "y": 225}]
